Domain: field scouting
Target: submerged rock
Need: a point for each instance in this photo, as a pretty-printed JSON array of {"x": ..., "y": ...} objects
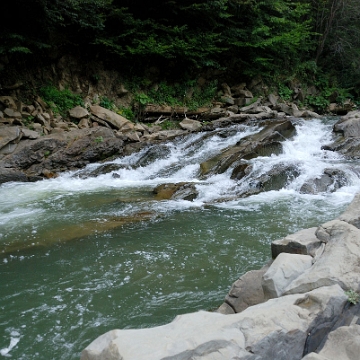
[{"x": 179, "y": 191}]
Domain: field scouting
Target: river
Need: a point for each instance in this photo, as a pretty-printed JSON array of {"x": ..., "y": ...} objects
[{"x": 93, "y": 250}]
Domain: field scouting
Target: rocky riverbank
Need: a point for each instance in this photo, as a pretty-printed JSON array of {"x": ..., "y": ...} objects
[
  {"x": 35, "y": 143},
  {"x": 296, "y": 307}
]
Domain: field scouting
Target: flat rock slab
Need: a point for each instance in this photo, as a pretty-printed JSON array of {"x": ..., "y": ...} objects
[
  {"x": 276, "y": 329},
  {"x": 115, "y": 120},
  {"x": 302, "y": 242}
]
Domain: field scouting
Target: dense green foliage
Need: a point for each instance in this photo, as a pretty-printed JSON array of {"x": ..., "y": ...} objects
[
  {"x": 60, "y": 101},
  {"x": 276, "y": 38}
]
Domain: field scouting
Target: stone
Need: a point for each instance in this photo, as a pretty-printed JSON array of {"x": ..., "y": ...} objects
[
  {"x": 310, "y": 114},
  {"x": 8, "y": 102},
  {"x": 228, "y": 100},
  {"x": 115, "y": 120},
  {"x": 78, "y": 113},
  {"x": 342, "y": 343},
  {"x": 179, "y": 191},
  {"x": 273, "y": 99},
  {"x": 9, "y": 134},
  {"x": 246, "y": 291},
  {"x": 285, "y": 268},
  {"x": 330, "y": 181},
  {"x": 303, "y": 242},
  {"x": 349, "y": 125},
  {"x": 84, "y": 123},
  {"x": 132, "y": 136},
  {"x": 127, "y": 127},
  {"x": 10, "y": 113},
  {"x": 339, "y": 263},
  {"x": 251, "y": 106},
  {"x": 29, "y": 134},
  {"x": 233, "y": 108},
  {"x": 191, "y": 125},
  {"x": 7, "y": 175},
  {"x": 276, "y": 329}
]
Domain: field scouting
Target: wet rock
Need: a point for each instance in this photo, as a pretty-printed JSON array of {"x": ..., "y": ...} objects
[
  {"x": 349, "y": 125},
  {"x": 304, "y": 242},
  {"x": 275, "y": 179},
  {"x": 154, "y": 153},
  {"x": 179, "y": 191},
  {"x": 264, "y": 142},
  {"x": 330, "y": 181},
  {"x": 100, "y": 170},
  {"x": 7, "y": 175}
]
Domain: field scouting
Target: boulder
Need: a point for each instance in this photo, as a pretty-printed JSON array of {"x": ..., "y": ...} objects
[
  {"x": 11, "y": 113},
  {"x": 303, "y": 242},
  {"x": 352, "y": 213},
  {"x": 191, "y": 125},
  {"x": 276, "y": 329},
  {"x": 8, "y": 102},
  {"x": 265, "y": 141},
  {"x": 246, "y": 291},
  {"x": 29, "y": 134},
  {"x": 78, "y": 113},
  {"x": 115, "y": 120},
  {"x": 349, "y": 125},
  {"x": 330, "y": 181},
  {"x": 339, "y": 263},
  {"x": 342, "y": 343},
  {"x": 7, "y": 175},
  {"x": 9, "y": 135},
  {"x": 285, "y": 268}
]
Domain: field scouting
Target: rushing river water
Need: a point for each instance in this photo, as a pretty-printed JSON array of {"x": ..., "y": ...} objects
[{"x": 84, "y": 254}]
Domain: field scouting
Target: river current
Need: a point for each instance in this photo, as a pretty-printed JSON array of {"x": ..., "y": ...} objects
[{"x": 93, "y": 250}]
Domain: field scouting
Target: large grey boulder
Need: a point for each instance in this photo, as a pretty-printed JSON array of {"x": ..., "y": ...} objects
[
  {"x": 284, "y": 269},
  {"x": 78, "y": 113},
  {"x": 9, "y": 138},
  {"x": 191, "y": 125},
  {"x": 342, "y": 344},
  {"x": 302, "y": 242},
  {"x": 115, "y": 120},
  {"x": 349, "y": 125},
  {"x": 276, "y": 329},
  {"x": 339, "y": 263}
]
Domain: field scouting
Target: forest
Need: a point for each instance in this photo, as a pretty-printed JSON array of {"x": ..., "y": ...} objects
[{"x": 315, "y": 41}]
